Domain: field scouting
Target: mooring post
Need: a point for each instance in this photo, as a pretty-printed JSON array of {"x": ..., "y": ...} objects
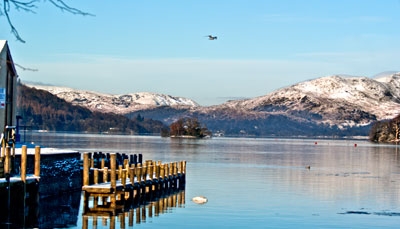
[
  {"x": 119, "y": 172},
  {"x": 183, "y": 172},
  {"x": 24, "y": 155},
  {"x": 132, "y": 174},
  {"x": 102, "y": 165},
  {"x": 113, "y": 165},
  {"x": 175, "y": 174},
  {"x": 162, "y": 176},
  {"x": 37, "y": 161},
  {"x": 95, "y": 175},
  {"x": 140, "y": 159},
  {"x": 105, "y": 174},
  {"x": 7, "y": 161},
  {"x": 139, "y": 174},
  {"x": 86, "y": 169}
]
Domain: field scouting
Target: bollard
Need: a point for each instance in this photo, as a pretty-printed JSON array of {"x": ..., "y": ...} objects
[
  {"x": 138, "y": 174},
  {"x": 119, "y": 172},
  {"x": 24, "y": 157},
  {"x": 132, "y": 174},
  {"x": 140, "y": 159},
  {"x": 113, "y": 164},
  {"x": 37, "y": 161},
  {"x": 102, "y": 165},
  {"x": 7, "y": 161},
  {"x": 95, "y": 175},
  {"x": 105, "y": 174},
  {"x": 85, "y": 169}
]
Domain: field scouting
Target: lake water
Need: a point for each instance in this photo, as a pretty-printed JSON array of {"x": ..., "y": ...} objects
[{"x": 255, "y": 183}]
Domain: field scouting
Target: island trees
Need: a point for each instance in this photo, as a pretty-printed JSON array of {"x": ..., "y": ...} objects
[
  {"x": 386, "y": 131},
  {"x": 188, "y": 127}
]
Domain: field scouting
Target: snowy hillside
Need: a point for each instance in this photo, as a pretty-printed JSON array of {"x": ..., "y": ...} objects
[
  {"x": 323, "y": 106},
  {"x": 120, "y": 104},
  {"x": 334, "y": 100}
]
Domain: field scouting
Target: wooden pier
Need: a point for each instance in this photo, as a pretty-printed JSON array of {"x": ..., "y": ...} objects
[
  {"x": 114, "y": 183},
  {"x": 18, "y": 190}
]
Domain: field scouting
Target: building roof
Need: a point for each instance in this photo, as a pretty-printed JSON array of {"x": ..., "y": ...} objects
[
  {"x": 6, "y": 57},
  {"x": 2, "y": 43}
]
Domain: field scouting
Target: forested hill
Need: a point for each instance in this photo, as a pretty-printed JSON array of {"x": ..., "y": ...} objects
[{"x": 44, "y": 111}]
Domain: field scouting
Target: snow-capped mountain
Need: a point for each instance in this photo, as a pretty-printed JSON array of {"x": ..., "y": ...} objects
[
  {"x": 332, "y": 100},
  {"x": 322, "y": 106},
  {"x": 120, "y": 104}
]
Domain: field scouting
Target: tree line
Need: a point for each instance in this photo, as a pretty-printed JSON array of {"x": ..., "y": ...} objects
[
  {"x": 386, "y": 131},
  {"x": 42, "y": 110}
]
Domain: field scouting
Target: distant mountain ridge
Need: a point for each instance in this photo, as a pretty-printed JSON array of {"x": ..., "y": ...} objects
[
  {"x": 41, "y": 110},
  {"x": 331, "y": 106},
  {"x": 120, "y": 104},
  {"x": 332, "y": 100}
]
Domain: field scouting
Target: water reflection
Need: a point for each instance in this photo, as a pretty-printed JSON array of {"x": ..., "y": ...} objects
[
  {"x": 137, "y": 215},
  {"x": 59, "y": 211}
]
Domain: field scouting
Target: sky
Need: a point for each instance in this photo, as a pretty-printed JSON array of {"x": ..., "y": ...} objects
[{"x": 162, "y": 46}]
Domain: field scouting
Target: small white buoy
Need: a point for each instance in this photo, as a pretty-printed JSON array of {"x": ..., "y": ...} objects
[{"x": 199, "y": 199}]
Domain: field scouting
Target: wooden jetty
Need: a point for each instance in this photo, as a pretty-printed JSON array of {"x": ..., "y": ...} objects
[
  {"x": 113, "y": 183},
  {"x": 18, "y": 190}
]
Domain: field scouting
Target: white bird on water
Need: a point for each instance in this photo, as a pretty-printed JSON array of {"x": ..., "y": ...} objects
[{"x": 200, "y": 199}]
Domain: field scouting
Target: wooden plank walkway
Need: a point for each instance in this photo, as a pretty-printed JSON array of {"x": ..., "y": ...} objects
[{"x": 114, "y": 189}]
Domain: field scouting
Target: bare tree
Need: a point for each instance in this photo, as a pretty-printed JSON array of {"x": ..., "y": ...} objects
[{"x": 29, "y": 6}]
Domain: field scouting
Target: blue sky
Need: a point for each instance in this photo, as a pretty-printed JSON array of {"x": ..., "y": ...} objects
[{"x": 160, "y": 46}]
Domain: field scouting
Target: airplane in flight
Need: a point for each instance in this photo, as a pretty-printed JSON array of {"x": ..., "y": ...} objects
[{"x": 211, "y": 37}]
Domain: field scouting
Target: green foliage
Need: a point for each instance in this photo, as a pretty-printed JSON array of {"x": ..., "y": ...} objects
[{"x": 42, "y": 110}]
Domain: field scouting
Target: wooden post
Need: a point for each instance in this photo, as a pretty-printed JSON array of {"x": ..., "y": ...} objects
[
  {"x": 132, "y": 174},
  {"x": 113, "y": 165},
  {"x": 95, "y": 175},
  {"x": 139, "y": 174},
  {"x": 150, "y": 172},
  {"x": 7, "y": 161},
  {"x": 24, "y": 157},
  {"x": 126, "y": 163},
  {"x": 144, "y": 173},
  {"x": 85, "y": 222},
  {"x": 158, "y": 171},
  {"x": 85, "y": 169},
  {"x": 162, "y": 171},
  {"x": 123, "y": 179},
  {"x": 130, "y": 221},
  {"x": 119, "y": 172},
  {"x": 102, "y": 163},
  {"x": 37, "y": 161},
  {"x": 175, "y": 169},
  {"x": 105, "y": 174},
  {"x": 171, "y": 169}
]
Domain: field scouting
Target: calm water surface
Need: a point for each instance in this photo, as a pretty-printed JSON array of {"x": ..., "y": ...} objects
[{"x": 259, "y": 183}]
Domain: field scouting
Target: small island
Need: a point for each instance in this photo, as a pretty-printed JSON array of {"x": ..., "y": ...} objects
[
  {"x": 187, "y": 128},
  {"x": 386, "y": 131}
]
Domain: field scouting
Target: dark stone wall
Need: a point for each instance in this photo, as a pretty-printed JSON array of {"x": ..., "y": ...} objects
[{"x": 59, "y": 172}]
